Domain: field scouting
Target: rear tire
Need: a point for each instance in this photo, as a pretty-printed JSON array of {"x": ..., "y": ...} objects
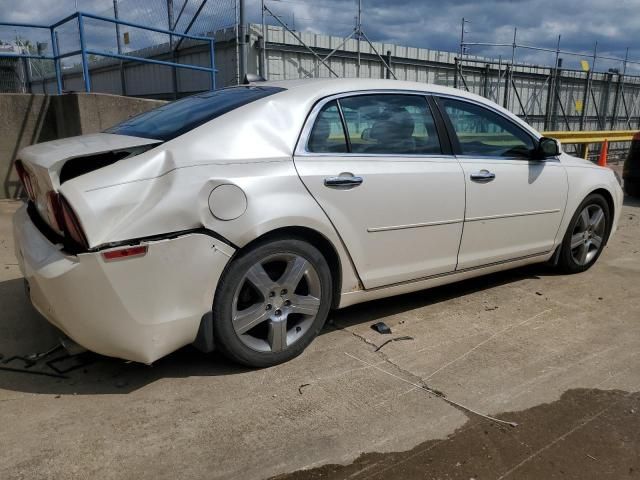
[
  {"x": 586, "y": 236},
  {"x": 271, "y": 302}
]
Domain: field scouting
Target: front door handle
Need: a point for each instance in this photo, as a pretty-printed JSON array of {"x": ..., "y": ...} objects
[
  {"x": 483, "y": 176},
  {"x": 343, "y": 181}
]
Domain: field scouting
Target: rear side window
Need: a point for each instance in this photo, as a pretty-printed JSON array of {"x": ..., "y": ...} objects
[
  {"x": 173, "y": 119},
  {"x": 327, "y": 134},
  {"x": 390, "y": 124},
  {"x": 484, "y": 133}
]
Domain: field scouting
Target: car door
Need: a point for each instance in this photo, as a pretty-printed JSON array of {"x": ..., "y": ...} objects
[
  {"x": 514, "y": 202},
  {"x": 374, "y": 163}
]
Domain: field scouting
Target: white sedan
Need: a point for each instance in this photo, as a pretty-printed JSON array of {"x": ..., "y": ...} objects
[{"x": 242, "y": 216}]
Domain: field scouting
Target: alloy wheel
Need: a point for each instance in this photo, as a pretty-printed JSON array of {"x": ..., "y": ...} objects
[
  {"x": 276, "y": 302},
  {"x": 588, "y": 234}
]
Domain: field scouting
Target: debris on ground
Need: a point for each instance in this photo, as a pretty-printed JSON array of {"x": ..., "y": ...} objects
[
  {"x": 302, "y": 386},
  {"x": 381, "y": 327},
  {"x": 406, "y": 337},
  {"x": 74, "y": 361}
]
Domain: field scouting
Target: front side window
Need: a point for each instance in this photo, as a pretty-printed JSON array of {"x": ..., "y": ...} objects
[
  {"x": 173, "y": 119},
  {"x": 390, "y": 124},
  {"x": 482, "y": 132},
  {"x": 327, "y": 134}
]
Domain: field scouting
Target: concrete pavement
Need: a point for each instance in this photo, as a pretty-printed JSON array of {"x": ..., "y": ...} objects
[{"x": 511, "y": 342}]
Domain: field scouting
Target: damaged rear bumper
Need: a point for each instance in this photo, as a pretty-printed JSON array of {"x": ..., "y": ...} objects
[{"x": 138, "y": 308}]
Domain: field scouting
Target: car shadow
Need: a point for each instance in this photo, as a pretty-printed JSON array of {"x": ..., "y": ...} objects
[
  {"x": 379, "y": 309},
  {"x": 24, "y": 331}
]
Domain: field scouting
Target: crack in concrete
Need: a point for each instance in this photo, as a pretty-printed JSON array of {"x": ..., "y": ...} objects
[
  {"x": 417, "y": 381},
  {"x": 411, "y": 377}
]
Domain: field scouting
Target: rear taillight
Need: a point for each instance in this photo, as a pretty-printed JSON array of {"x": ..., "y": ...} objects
[
  {"x": 26, "y": 179},
  {"x": 71, "y": 225},
  {"x": 56, "y": 216}
]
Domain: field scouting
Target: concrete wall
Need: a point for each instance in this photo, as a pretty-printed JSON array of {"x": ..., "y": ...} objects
[{"x": 26, "y": 119}]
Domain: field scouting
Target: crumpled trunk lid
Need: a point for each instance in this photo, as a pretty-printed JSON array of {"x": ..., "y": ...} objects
[{"x": 45, "y": 162}]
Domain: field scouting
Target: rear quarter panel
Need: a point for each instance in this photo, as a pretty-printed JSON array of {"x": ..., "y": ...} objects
[{"x": 176, "y": 198}]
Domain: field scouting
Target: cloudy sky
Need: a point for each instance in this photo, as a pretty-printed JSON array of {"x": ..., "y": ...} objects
[{"x": 435, "y": 24}]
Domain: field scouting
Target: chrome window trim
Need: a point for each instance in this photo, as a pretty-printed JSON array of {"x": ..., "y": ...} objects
[
  {"x": 498, "y": 158},
  {"x": 303, "y": 138}
]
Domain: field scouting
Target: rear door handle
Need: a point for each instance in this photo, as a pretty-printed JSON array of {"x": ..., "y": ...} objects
[
  {"x": 483, "y": 176},
  {"x": 343, "y": 181}
]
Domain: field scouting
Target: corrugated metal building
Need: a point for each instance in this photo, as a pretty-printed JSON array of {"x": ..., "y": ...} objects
[{"x": 547, "y": 98}]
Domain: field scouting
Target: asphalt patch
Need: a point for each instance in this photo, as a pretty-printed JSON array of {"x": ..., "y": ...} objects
[{"x": 586, "y": 434}]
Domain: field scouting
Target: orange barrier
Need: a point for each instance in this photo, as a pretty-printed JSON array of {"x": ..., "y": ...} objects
[{"x": 604, "y": 151}]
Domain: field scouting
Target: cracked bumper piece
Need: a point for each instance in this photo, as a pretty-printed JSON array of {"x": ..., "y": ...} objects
[{"x": 138, "y": 308}]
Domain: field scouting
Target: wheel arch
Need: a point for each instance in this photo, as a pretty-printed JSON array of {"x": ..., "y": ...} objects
[
  {"x": 313, "y": 237},
  {"x": 610, "y": 203}
]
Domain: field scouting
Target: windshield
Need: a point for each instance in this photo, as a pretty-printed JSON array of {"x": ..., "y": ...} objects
[{"x": 173, "y": 119}]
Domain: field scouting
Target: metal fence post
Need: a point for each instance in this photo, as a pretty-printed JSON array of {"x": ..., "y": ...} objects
[
  {"x": 585, "y": 99},
  {"x": 27, "y": 74},
  {"x": 549, "y": 103},
  {"x": 387, "y": 73},
  {"x": 212, "y": 44},
  {"x": 123, "y": 82},
  {"x": 455, "y": 72},
  {"x": 56, "y": 61},
  {"x": 83, "y": 49},
  {"x": 507, "y": 77},
  {"x": 556, "y": 95},
  {"x": 619, "y": 89},
  {"x": 485, "y": 87},
  {"x": 243, "y": 40},
  {"x": 604, "y": 101},
  {"x": 587, "y": 89}
]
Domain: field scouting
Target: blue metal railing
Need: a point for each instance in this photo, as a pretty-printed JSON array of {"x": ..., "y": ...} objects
[{"x": 85, "y": 51}]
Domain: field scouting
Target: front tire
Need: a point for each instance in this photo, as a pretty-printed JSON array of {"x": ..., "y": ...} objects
[
  {"x": 271, "y": 302},
  {"x": 586, "y": 236}
]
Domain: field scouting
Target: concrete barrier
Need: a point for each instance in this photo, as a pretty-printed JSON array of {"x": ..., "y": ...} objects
[{"x": 26, "y": 119}]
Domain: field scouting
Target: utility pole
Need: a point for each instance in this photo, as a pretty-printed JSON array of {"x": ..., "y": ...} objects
[
  {"x": 123, "y": 84},
  {"x": 461, "y": 37},
  {"x": 174, "y": 54},
  {"x": 458, "y": 61},
  {"x": 509, "y": 72},
  {"x": 359, "y": 27},
  {"x": 264, "y": 73},
  {"x": 243, "y": 40},
  {"x": 170, "y": 16},
  {"x": 463, "y": 48}
]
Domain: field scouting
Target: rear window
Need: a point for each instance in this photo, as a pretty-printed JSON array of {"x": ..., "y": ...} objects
[{"x": 173, "y": 119}]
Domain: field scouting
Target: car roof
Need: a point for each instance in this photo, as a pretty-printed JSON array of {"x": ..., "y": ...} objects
[
  {"x": 339, "y": 85},
  {"x": 317, "y": 88}
]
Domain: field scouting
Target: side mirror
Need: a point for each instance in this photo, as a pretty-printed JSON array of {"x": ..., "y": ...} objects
[{"x": 548, "y": 147}]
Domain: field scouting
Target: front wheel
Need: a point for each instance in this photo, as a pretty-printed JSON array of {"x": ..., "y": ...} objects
[
  {"x": 272, "y": 301},
  {"x": 586, "y": 236}
]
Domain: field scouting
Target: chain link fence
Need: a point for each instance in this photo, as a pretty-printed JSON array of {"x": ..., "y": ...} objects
[{"x": 137, "y": 39}]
